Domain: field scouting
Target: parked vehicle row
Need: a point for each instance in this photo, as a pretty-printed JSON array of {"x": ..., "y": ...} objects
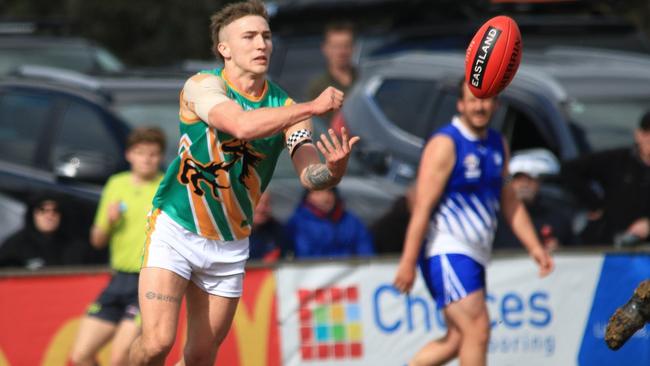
[
  {"x": 568, "y": 101},
  {"x": 64, "y": 131}
]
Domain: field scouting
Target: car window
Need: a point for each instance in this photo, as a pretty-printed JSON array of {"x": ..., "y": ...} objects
[
  {"x": 444, "y": 111},
  {"x": 22, "y": 116},
  {"x": 160, "y": 114},
  {"x": 107, "y": 61},
  {"x": 302, "y": 63},
  {"x": 525, "y": 132},
  {"x": 83, "y": 129},
  {"x": 403, "y": 102},
  {"x": 606, "y": 124},
  {"x": 72, "y": 58}
]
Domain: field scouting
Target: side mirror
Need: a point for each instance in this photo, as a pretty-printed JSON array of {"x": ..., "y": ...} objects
[{"x": 85, "y": 166}]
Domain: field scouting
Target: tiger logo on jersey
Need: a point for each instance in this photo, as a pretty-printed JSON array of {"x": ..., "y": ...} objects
[
  {"x": 194, "y": 172},
  {"x": 244, "y": 151}
]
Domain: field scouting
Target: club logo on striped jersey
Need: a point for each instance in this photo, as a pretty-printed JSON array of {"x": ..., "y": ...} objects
[
  {"x": 471, "y": 164},
  {"x": 193, "y": 172}
]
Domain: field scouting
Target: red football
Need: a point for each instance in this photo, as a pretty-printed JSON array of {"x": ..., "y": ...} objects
[{"x": 493, "y": 56}]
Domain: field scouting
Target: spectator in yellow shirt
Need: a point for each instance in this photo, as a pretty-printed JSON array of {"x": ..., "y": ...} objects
[{"x": 120, "y": 223}]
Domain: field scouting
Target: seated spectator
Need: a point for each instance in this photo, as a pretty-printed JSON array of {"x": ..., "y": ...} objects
[
  {"x": 389, "y": 230},
  {"x": 267, "y": 237},
  {"x": 614, "y": 185},
  {"x": 321, "y": 227},
  {"x": 43, "y": 241},
  {"x": 553, "y": 222}
]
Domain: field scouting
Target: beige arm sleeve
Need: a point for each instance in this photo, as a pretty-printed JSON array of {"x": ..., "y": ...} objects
[{"x": 202, "y": 92}]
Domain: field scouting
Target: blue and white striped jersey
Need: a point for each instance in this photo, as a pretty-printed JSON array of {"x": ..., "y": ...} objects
[{"x": 465, "y": 218}]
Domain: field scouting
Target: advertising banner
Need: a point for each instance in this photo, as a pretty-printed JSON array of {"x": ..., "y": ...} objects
[
  {"x": 39, "y": 319},
  {"x": 620, "y": 275},
  {"x": 344, "y": 314},
  {"x": 39, "y": 316}
]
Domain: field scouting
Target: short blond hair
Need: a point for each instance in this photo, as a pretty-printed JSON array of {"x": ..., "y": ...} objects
[{"x": 231, "y": 13}]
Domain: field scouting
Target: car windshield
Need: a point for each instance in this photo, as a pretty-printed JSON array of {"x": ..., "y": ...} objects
[
  {"x": 605, "y": 124},
  {"x": 160, "y": 114},
  {"x": 79, "y": 59}
]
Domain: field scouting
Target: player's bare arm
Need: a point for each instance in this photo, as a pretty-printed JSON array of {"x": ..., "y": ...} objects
[
  {"x": 436, "y": 164},
  {"x": 313, "y": 174},
  {"x": 248, "y": 125},
  {"x": 517, "y": 217},
  {"x": 205, "y": 96}
]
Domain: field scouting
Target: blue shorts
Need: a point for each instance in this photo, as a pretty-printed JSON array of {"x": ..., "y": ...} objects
[{"x": 451, "y": 277}]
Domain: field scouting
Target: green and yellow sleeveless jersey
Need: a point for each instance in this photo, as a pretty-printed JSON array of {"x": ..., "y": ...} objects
[{"x": 212, "y": 186}]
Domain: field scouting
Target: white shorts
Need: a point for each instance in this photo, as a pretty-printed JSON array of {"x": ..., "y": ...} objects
[{"x": 215, "y": 266}]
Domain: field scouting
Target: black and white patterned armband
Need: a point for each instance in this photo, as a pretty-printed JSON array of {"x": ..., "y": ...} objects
[{"x": 297, "y": 139}]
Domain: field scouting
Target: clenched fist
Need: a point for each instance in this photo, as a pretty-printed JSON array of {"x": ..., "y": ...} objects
[{"x": 330, "y": 99}]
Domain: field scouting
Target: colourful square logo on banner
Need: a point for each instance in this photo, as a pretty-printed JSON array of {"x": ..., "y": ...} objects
[{"x": 330, "y": 323}]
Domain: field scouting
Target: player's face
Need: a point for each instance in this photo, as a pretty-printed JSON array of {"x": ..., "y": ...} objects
[
  {"x": 475, "y": 112},
  {"x": 338, "y": 48},
  {"x": 247, "y": 43},
  {"x": 145, "y": 158}
]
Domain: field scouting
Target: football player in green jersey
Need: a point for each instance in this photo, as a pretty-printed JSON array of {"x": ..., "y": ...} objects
[{"x": 234, "y": 123}]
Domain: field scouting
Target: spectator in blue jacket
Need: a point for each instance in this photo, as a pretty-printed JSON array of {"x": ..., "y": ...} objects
[{"x": 320, "y": 227}]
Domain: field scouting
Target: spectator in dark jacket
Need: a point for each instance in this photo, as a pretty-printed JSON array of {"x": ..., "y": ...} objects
[
  {"x": 267, "y": 238},
  {"x": 553, "y": 222},
  {"x": 43, "y": 241},
  {"x": 321, "y": 227},
  {"x": 614, "y": 185},
  {"x": 389, "y": 230}
]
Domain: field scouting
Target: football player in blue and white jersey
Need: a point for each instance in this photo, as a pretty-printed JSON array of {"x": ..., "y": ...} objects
[{"x": 460, "y": 190}]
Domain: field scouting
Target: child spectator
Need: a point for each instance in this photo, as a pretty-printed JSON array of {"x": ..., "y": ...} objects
[{"x": 120, "y": 223}]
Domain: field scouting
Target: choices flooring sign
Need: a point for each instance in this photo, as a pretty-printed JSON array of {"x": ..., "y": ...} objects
[
  {"x": 330, "y": 323},
  {"x": 346, "y": 314}
]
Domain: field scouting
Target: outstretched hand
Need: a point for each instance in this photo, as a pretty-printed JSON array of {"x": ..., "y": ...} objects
[{"x": 336, "y": 152}]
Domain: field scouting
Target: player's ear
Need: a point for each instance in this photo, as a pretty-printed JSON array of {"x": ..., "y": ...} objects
[{"x": 224, "y": 50}]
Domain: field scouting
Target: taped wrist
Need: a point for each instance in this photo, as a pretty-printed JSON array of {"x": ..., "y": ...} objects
[{"x": 297, "y": 139}]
